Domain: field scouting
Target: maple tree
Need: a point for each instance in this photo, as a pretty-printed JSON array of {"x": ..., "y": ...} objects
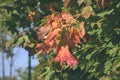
[
  {"x": 60, "y": 33},
  {"x": 74, "y": 39}
]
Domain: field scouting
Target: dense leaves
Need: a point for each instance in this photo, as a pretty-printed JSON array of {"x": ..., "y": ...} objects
[{"x": 60, "y": 36}]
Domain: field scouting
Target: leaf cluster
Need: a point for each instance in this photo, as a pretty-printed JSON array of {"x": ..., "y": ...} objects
[{"x": 99, "y": 59}]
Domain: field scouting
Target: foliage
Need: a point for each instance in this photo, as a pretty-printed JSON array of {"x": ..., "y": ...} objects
[
  {"x": 99, "y": 58},
  {"x": 8, "y": 78},
  {"x": 22, "y": 75}
]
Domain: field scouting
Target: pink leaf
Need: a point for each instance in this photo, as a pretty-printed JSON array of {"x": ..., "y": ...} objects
[{"x": 64, "y": 56}]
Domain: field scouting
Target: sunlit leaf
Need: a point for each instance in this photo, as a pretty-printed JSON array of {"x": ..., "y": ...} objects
[
  {"x": 87, "y": 12},
  {"x": 80, "y": 2}
]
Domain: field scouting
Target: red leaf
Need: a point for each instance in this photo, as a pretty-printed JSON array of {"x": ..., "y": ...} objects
[
  {"x": 42, "y": 48},
  {"x": 64, "y": 56},
  {"x": 82, "y": 28},
  {"x": 60, "y": 34},
  {"x": 52, "y": 36},
  {"x": 41, "y": 33},
  {"x": 67, "y": 16},
  {"x": 39, "y": 47}
]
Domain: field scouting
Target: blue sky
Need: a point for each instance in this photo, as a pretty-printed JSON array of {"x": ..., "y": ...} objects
[{"x": 20, "y": 61}]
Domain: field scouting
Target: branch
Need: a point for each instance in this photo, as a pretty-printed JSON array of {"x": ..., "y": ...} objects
[{"x": 67, "y": 3}]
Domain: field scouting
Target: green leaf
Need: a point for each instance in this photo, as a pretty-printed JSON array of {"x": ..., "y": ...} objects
[
  {"x": 15, "y": 12},
  {"x": 104, "y": 13},
  {"x": 118, "y": 5},
  {"x": 19, "y": 41},
  {"x": 117, "y": 30},
  {"x": 90, "y": 55},
  {"x": 31, "y": 45},
  {"x": 1, "y": 1},
  {"x": 87, "y": 12},
  {"x": 26, "y": 38},
  {"x": 108, "y": 66}
]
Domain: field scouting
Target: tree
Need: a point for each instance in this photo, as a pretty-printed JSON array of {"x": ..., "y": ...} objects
[
  {"x": 22, "y": 74},
  {"x": 2, "y": 51},
  {"x": 75, "y": 39},
  {"x": 5, "y": 50},
  {"x": 7, "y": 78}
]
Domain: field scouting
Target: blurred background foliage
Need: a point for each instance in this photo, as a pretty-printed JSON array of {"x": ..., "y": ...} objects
[{"x": 99, "y": 59}]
